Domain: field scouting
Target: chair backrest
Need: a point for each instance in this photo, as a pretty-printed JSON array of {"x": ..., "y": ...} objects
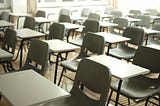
[
  {"x": 29, "y": 22},
  {"x": 92, "y": 43},
  {"x": 10, "y": 41},
  {"x": 135, "y": 12},
  {"x": 94, "y": 16},
  {"x": 4, "y": 16},
  {"x": 64, "y": 18},
  {"x": 156, "y": 26},
  {"x": 90, "y": 26},
  {"x": 148, "y": 57},
  {"x": 117, "y": 13},
  {"x": 151, "y": 11},
  {"x": 108, "y": 10},
  {"x": 64, "y": 12},
  {"x": 96, "y": 77},
  {"x": 40, "y": 13},
  {"x": 85, "y": 12},
  {"x": 136, "y": 34},
  {"x": 56, "y": 31},
  {"x": 37, "y": 56},
  {"x": 122, "y": 22},
  {"x": 145, "y": 21}
]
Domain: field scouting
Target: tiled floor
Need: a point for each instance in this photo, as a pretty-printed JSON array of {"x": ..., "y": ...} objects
[{"x": 66, "y": 84}]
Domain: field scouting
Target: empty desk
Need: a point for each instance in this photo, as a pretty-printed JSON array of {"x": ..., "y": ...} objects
[{"x": 28, "y": 88}]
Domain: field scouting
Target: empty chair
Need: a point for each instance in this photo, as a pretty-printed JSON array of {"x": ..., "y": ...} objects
[
  {"x": 64, "y": 18},
  {"x": 37, "y": 57},
  {"x": 135, "y": 12},
  {"x": 89, "y": 26},
  {"x": 94, "y": 77},
  {"x": 85, "y": 12},
  {"x": 92, "y": 44},
  {"x": 56, "y": 31},
  {"x": 122, "y": 24},
  {"x": 152, "y": 11},
  {"x": 108, "y": 10},
  {"x": 141, "y": 87},
  {"x": 94, "y": 16},
  {"x": 145, "y": 21},
  {"x": 29, "y": 22},
  {"x": 4, "y": 16},
  {"x": 116, "y": 13},
  {"x": 64, "y": 12},
  {"x": 40, "y": 13},
  {"x": 9, "y": 45},
  {"x": 127, "y": 50}
]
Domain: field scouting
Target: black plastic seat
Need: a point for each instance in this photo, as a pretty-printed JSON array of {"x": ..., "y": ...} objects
[
  {"x": 145, "y": 21},
  {"x": 40, "y": 13},
  {"x": 94, "y": 16},
  {"x": 89, "y": 26},
  {"x": 29, "y": 22},
  {"x": 36, "y": 58},
  {"x": 4, "y": 16},
  {"x": 56, "y": 31},
  {"x": 127, "y": 50},
  {"x": 122, "y": 24},
  {"x": 142, "y": 87},
  {"x": 92, "y": 44},
  {"x": 9, "y": 45},
  {"x": 94, "y": 77}
]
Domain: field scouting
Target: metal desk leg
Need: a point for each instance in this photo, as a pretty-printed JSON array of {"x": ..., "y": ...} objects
[
  {"x": 109, "y": 46},
  {"x": 56, "y": 68},
  {"x": 118, "y": 92},
  {"x": 21, "y": 53}
]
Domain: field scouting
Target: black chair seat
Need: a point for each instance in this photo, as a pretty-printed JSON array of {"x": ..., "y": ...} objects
[
  {"x": 135, "y": 88},
  {"x": 123, "y": 52}
]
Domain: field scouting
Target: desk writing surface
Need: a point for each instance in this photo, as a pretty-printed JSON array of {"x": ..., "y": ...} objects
[
  {"x": 151, "y": 31},
  {"x": 28, "y": 33},
  {"x": 42, "y": 20},
  {"x": 112, "y": 38},
  {"x": 5, "y": 55},
  {"x": 119, "y": 69},
  {"x": 25, "y": 88},
  {"x": 70, "y": 26},
  {"x": 60, "y": 46},
  {"x": 5, "y": 23}
]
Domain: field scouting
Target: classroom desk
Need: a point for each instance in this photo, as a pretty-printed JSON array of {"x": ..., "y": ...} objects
[
  {"x": 18, "y": 15},
  {"x": 112, "y": 39},
  {"x": 5, "y": 56},
  {"x": 107, "y": 25},
  {"x": 149, "y": 32},
  {"x": 4, "y": 24},
  {"x": 71, "y": 27},
  {"x": 119, "y": 69},
  {"x": 28, "y": 88},
  {"x": 42, "y": 20},
  {"x": 26, "y": 34},
  {"x": 59, "y": 46}
]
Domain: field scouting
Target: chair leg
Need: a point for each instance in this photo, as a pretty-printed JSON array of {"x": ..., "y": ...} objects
[
  {"x": 109, "y": 98},
  {"x": 147, "y": 100},
  {"x": 4, "y": 67},
  {"x": 61, "y": 76},
  {"x": 10, "y": 66}
]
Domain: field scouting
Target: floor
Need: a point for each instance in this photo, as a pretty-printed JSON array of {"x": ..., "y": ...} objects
[{"x": 66, "y": 84}]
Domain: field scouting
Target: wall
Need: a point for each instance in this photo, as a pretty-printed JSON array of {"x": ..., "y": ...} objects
[
  {"x": 126, "y": 5},
  {"x": 19, "y": 6}
]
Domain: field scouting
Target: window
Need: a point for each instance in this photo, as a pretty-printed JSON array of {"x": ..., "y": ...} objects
[{"x": 52, "y": 3}]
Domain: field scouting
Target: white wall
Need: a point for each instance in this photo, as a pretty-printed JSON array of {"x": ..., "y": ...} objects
[
  {"x": 19, "y": 6},
  {"x": 126, "y": 5}
]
